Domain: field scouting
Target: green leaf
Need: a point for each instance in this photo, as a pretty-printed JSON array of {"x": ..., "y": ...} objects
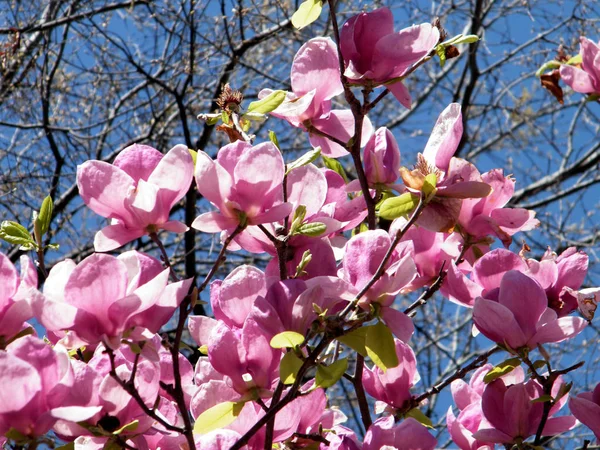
[
  {"x": 288, "y": 368},
  {"x": 429, "y": 186},
  {"x": 194, "y": 155},
  {"x": 16, "y": 234},
  {"x": 299, "y": 215},
  {"x": 564, "y": 389},
  {"x": 380, "y": 346},
  {"x": 305, "y": 159},
  {"x": 327, "y": 376},
  {"x": 203, "y": 349},
  {"x": 16, "y": 436},
  {"x": 549, "y": 65},
  {"x": 395, "y": 207},
  {"x": 213, "y": 119},
  {"x": 418, "y": 415},
  {"x": 440, "y": 50},
  {"x": 312, "y": 229},
  {"x": 287, "y": 339},
  {"x": 501, "y": 369},
  {"x": 274, "y": 140},
  {"x": 336, "y": 166},
  {"x": 542, "y": 399},
  {"x": 575, "y": 60},
  {"x": 306, "y": 259},
  {"x": 45, "y": 215},
  {"x": 461, "y": 39},
  {"x": 225, "y": 117},
  {"x": 131, "y": 426},
  {"x": 267, "y": 104},
  {"x": 111, "y": 445},
  {"x": 307, "y": 13},
  {"x": 356, "y": 340},
  {"x": 218, "y": 416}
]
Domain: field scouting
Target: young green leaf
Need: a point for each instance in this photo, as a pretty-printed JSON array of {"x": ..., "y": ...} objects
[
  {"x": 287, "y": 339},
  {"x": 307, "y": 13},
  {"x": 356, "y": 340},
  {"x": 429, "y": 187},
  {"x": 380, "y": 346},
  {"x": 312, "y": 229},
  {"x": 336, "y": 166},
  {"x": 194, "y": 155},
  {"x": 418, "y": 415},
  {"x": 218, "y": 416},
  {"x": 16, "y": 234},
  {"x": 306, "y": 259},
  {"x": 131, "y": 426},
  {"x": 327, "y": 376},
  {"x": 44, "y": 217},
  {"x": 548, "y": 65},
  {"x": 501, "y": 369},
  {"x": 305, "y": 159},
  {"x": 288, "y": 368},
  {"x": 274, "y": 140},
  {"x": 267, "y": 104},
  {"x": 395, "y": 207}
]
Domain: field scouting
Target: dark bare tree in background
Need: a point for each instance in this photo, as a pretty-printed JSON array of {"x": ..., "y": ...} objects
[{"x": 83, "y": 79}]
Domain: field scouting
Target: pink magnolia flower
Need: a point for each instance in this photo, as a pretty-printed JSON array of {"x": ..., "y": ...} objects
[
  {"x": 560, "y": 277},
  {"x": 16, "y": 294},
  {"x": 408, "y": 435},
  {"x": 467, "y": 398},
  {"x": 587, "y": 78},
  {"x": 375, "y": 55},
  {"x": 512, "y": 413},
  {"x": 393, "y": 386},
  {"x": 456, "y": 178},
  {"x": 315, "y": 80},
  {"x": 382, "y": 158},
  {"x": 103, "y": 297},
  {"x": 94, "y": 387},
  {"x": 34, "y": 381},
  {"x": 586, "y": 408},
  {"x": 137, "y": 192},
  {"x": 517, "y": 315},
  {"x": 362, "y": 256},
  {"x": 482, "y": 217},
  {"x": 244, "y": 183}
]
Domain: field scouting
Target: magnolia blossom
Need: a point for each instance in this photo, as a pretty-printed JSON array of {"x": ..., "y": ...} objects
[
  {"x": 244, "y": 183},
  {"x": 137, "y": 192},
  {"x": 560, "y": 277},
  {"x": 385, "y": 434},
  {"x": 102, "y": 297},
  {"x": 586, "y": 408},
  {"x": 315, "y": 80},
  {"x": 374, "y": 54},
  {"x": 517, "y": 315},
  {"x": 483, "y": 217},
  {"x": 513, "y": 414},
  {"x": 363, "y": 255},
  {"x": 393, "y": 386},
  {"x": 34, "y": 382},
  {"x": 16, "y": 293},
  {"x": 467, "y": 398},
  {"x": 456, "y": 179},
  {"x": 587, "y": 78}
]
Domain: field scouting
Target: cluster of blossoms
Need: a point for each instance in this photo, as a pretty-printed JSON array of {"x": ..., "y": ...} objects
[{"x": 103, "y": 377}]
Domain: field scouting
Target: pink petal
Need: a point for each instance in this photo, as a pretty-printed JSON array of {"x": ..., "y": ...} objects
[
  {"x": 114, "y": 236},
  {"x": 525, "y": 298},
  {"x": 496, "y": 322},
  {"x": 307, "y": 186},
  {"x": 212, "y": 180},
  {"x": 491, "y": 267},
  {"x": 174, "y": 226},
  {"x": 401, "y": 93},
  {"x": 173, "y": 175},
  {"x": 586, "y": 411},
  {"x": 104, "y": 187},
  {"x": 395, "y": 52},
  {"x": 578, "y": 79},
  {"x": 213, "y": 222},
  {"x": 237, "y": 294},
  {"x": 340, "y": 125},
  {"x": 559, "y": 330},
  {"x": 9, "y": 279},
  {"x": 200, "y": 328},
  {"x": 138, "y": 161},
  {"x": 316, "y": 66},
  {"x": 399, "y": 323},
  {"x": 274, "y": 214},
  {"x": 19, "y": 383},
  {"x": 558, "y": 425},
  {"x": 445, "y": 137},
  {"x": 258, "y": 171}
]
